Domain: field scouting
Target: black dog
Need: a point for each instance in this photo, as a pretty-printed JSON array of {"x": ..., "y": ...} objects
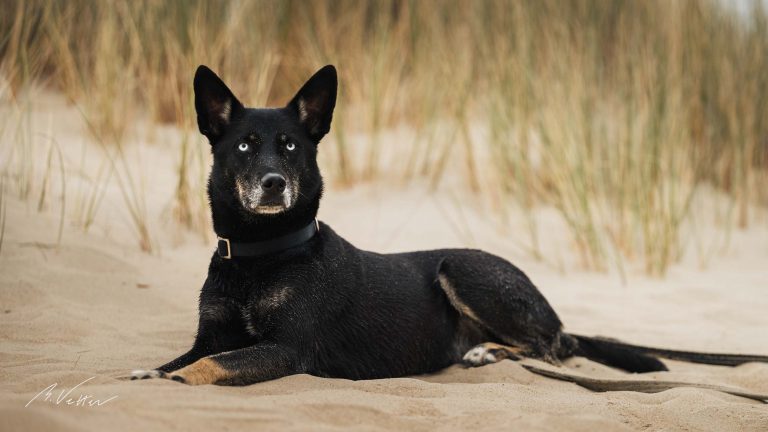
[{"x": 286, "y": 295}]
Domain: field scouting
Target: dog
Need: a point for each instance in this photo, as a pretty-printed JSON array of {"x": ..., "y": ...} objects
[{"x": 286, "y": 295}]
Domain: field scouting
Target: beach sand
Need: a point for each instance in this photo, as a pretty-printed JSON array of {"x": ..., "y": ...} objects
[{"x": 97, "y": 307}]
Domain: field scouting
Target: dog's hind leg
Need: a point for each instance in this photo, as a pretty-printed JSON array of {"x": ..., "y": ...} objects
[{"x": 502, "y": 300}]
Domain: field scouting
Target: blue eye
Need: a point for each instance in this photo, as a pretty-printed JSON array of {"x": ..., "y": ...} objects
[{"x": 243, "y": 147}]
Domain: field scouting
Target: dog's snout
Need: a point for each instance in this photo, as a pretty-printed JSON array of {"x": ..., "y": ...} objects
[{"x": 273, "y": 183}]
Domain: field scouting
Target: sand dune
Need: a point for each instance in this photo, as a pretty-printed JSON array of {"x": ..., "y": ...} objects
[{"x": 97, "y": 307}]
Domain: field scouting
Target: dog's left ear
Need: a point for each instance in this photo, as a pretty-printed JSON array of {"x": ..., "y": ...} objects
[{"x": 314, "y": 103}]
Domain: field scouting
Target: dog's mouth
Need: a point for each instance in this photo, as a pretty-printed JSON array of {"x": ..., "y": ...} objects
[
  {"x": 256, "y": 201},
  {"x": 269, "y": 209}
]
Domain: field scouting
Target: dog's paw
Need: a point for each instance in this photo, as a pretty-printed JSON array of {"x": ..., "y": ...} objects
[
  {"x": 490, "y": 352},
  {"x": 147, "y": 374},
  {"x": 479, "y": 356},
  {"x": 140, "y": 374},
  {"x": 154, "y": 373}
]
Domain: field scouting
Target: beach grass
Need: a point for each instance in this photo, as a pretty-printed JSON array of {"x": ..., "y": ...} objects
[{"x": 614, "y": 113}]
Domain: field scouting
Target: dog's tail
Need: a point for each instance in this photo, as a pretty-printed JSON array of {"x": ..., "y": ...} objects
[
  {"x": 636, "y": 358},
  {"x": 614, "y": 354}
]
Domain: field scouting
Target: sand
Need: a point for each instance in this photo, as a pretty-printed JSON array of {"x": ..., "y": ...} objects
[{"x": 95, "y": 307}]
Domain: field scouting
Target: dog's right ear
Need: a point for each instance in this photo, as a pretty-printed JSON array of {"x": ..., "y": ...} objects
[{"x": 215, "y": 104}]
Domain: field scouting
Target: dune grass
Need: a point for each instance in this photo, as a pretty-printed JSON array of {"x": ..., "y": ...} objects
[
  {"x": 615, "y": 113},
  {"x": 2, "y": 211},
  {"x": 47, "y": 172}
]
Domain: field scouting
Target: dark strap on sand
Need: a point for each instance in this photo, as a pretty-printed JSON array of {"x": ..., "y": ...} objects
[{"x": 642, "y": 386}]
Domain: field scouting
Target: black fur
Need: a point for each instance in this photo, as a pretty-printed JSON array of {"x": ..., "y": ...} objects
[
  {"x": 325, "y": 307},
  {"x": 621, "y": 356}
]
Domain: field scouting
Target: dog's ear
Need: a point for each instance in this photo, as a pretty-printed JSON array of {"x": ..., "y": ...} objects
[
  {"x": 314, "y": 103},
  {"x": 215, "y": 104}
]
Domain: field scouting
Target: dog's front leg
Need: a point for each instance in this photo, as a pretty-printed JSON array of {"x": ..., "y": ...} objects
[
  {"x": 206, "y": 343},
  {"x": 183, "y": 360},
  {"x": 198, "y": 351},
  {"x": 261, "y": 362}
]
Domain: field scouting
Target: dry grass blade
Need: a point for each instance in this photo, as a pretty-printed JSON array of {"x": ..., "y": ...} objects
[
  {"x": 2, "y": 211},
  {"x": 614, "y": 113}
]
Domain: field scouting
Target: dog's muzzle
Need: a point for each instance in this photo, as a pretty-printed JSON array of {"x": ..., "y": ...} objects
[{"x": 269, "y": 195}]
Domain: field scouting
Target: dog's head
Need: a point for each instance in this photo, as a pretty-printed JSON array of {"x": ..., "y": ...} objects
[{"x": 265, "y": 160}]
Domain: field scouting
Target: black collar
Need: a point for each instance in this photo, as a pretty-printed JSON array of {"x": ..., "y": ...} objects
[{"x": 228, "y": 249}]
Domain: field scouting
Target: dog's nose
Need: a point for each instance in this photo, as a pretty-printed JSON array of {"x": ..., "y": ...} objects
[{"x": 273, "y": 183}]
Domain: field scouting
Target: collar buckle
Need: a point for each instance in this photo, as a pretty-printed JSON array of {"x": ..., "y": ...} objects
[{"x": 224, "y": 248}]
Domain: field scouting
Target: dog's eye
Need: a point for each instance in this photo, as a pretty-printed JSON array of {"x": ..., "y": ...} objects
[
  {"x": 290, "y": 146},
  {"x": 243, "y": 147}
]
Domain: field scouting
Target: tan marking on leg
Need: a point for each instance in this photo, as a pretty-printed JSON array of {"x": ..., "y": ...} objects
[
  {"x": 457, "y": 304},
  {"x": 505, "y": 350},
  {"x": 203, "y": 371}
]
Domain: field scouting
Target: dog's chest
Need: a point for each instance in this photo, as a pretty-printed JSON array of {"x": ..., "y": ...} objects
[{"x": 260, "y": 312}]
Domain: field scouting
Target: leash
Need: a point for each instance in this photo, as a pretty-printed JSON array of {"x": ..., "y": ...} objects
[
  {"x": 228, "y": 249},
  {"x": 641, "y": 386}
]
